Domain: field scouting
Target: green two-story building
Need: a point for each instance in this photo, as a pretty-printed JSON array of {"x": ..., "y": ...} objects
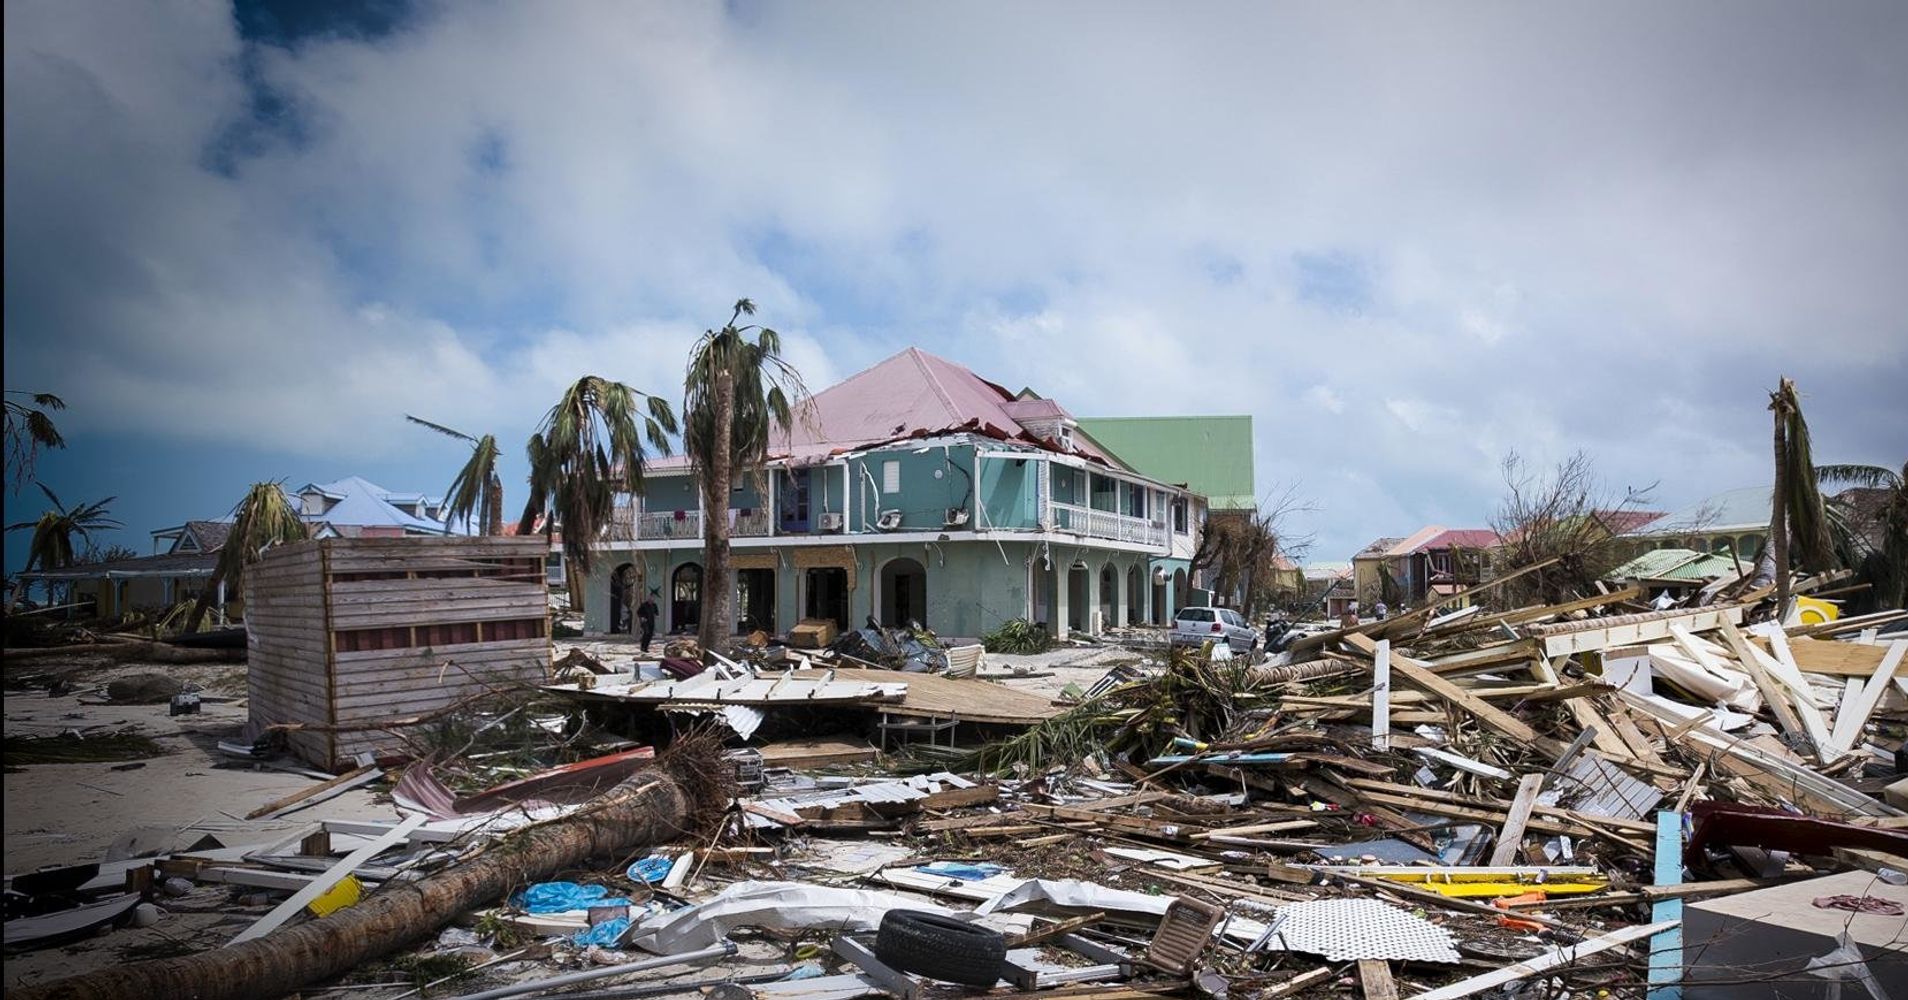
[{"x": 915, "y": 491}]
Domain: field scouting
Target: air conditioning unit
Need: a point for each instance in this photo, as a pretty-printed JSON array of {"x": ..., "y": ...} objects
[
  {"x": 830, "y": 521},
  {"x": 888, "y": 520},
  {"x": 956, "y": 517}
]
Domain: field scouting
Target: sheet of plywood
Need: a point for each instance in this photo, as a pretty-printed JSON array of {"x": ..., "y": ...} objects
[{"x": 1841, "y": 659}]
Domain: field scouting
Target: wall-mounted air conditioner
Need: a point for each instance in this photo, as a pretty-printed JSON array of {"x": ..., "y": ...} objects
[
  {"x": 956, "y": 517},
  {"x": 830, "y": 521},
  {"x": 888, "y": 520}
]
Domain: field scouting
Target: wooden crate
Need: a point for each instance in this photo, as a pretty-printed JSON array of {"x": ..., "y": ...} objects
[
  {"x": 349, "y": 631},
  {"x": 812, "y": 633}
]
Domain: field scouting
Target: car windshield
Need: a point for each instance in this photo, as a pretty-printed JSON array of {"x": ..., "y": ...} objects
[{"x": 1195, "y": 615}]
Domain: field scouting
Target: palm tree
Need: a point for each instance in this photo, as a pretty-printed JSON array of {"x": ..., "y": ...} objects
[
  {"x": 51, "y": 546},
  {"x": 1885, "y": 568},
  {"x": 737, "y": 393},
  {"x": 477, "y": 491},
  {"x": 588, "y": 449},
  {"x": 28, "y": 430},
  {"x": 1798, "y": 519},
  {"x": 263, "y": 519}
]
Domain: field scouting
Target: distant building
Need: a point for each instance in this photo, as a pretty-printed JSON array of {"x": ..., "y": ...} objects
[
  {"x": 1430, "y": 564},
  {"x": 1734, "y": 521},
  {"x": 184, "y": 555}
]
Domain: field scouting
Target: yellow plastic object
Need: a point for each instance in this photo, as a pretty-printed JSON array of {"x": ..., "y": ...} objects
[
  {"x": 1810, "y": 611},
  {"x": 1481, "y": 889},
  {"x": 346, "y": 893}
]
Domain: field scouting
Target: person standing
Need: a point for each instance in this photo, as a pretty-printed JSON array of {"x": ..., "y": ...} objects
[{"x": 646, "y": 615}]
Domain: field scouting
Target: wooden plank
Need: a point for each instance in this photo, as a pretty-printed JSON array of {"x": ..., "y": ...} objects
[
  {"x": 1374, "y": 978},
  {"x": 1839, "y": 659},
  {"x": 1381, "y": 696},
  {"x": 1627, "y": 630},
  {"x": 1490, "y": 715},
  {"x": 1666, "y": 947},
  {"x": 1774, "y": 695},
  {"x": 1543, "y": 963},
  {"x": 332, "y": 876},
  {"x": 341, "y": 782},
  {"x": 1510, "y": 839},
  {"x": 1854, "y": 715}
]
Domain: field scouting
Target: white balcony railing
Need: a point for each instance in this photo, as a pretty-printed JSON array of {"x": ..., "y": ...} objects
[
  {"x": 629, "y": 524},
  {"x": 1109, "y": 525}
]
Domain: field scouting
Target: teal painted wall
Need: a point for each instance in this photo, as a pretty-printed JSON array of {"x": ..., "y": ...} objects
[
  {"x": 1010, "y": 492},
  {"x": 922, "y": 499},
  {"x": 664, "y": 493}
]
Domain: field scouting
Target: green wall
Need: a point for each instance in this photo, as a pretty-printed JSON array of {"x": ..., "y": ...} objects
[
  {"x": 923, "y": 499},
  {"x": 1010, "y": 491}
]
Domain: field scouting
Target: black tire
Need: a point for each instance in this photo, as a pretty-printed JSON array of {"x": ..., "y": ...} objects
[{"x": 940, "y": 947}]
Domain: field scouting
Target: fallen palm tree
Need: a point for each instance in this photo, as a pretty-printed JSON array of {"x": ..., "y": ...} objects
[{"x": 688, "y": 786}]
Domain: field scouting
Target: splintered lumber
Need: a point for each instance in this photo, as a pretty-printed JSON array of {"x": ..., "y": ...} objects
[
  {"x": 1854, "y": 714},
  {"x": 1381, "y": 695},
  {"x": 1836, "y": 659},
  {"x": 1490, "y": 715},
  {"x": 1545, "y": 962},
  {"x": 1628, "y": 630},
  {"x": 1044, "y": 931},
  {"x": 332, "y": 876},
  {"x": 1666, "y": 948},
  {"x": 1774, "y": 694},
  {"x": 1401, "y": 624},
  {"x": 654, "y": 806},
  {"x": 1302, "y": 981},
  {"x": 1374, "y": 977},
  {"x": 1510, "y": 839},
  {"x": 348, "y": 780}
]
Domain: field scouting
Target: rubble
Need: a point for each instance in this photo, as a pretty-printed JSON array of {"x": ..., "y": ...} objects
[{"x": 1590, "y": 795}]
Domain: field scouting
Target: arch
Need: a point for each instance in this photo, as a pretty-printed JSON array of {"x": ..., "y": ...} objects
[
  {"x": 903, "y": 592},
  {"x": 1160, "y": 615},
  {"x": 1109, "y": 596},
  {"x": 1177, "y": 599},
  {"x": 685, "y": 597},
  {"x": 622, "y": 599},
  {"x": 1135, "y": 604},
  {"x": 1077, "y": 597}
]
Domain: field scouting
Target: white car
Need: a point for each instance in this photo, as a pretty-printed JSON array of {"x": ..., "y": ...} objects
[{"x": 1194, "y": 626}]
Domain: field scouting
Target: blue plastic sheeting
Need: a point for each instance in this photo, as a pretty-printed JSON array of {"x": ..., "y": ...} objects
[
  {"x": 555, "y": 897},
  {"x": 961, "y": 870},
  {"x": 604, "y": 935},
  {"x": 651, "y": 869}
]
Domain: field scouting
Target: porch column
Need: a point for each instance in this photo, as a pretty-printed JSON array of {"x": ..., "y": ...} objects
[
  {"x": 1061, "y": 570},
  {"x": 1120, "y": 598},
  {"x": 1092, "y": 596}
]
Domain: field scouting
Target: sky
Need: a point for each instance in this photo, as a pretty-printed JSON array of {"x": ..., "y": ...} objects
[{"x": 1407, "y": 239}]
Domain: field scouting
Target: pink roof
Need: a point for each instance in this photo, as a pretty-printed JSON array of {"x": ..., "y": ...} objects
[
  {"x": 1412, "y": 542},
  {"x": 910, "y": 394},
  {"x": 1459, "y": 538}
]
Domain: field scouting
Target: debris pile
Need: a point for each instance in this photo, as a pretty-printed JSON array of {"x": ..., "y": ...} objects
[{"x": 1585, "y": 797}]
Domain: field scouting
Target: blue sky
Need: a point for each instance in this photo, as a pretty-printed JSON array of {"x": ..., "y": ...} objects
[{"x": 1406, "y": 238}]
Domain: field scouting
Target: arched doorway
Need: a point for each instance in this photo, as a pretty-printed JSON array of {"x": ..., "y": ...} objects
[
  {"x": 1179, "y": 591},
  {"x": 903, "y": 593},
  {"x": 1109, "y": 596},
  {"x": 1135, "y": 604},
  {"x": 622, "y": 600},
  {"x": 1160, "y": 617},
  {"x": 685, "y": 598}
]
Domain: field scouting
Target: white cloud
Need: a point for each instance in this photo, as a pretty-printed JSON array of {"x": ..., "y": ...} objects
[{"x": 1596, "y": 228}]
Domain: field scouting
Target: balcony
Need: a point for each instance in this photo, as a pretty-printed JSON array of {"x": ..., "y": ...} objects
[
  {"x": 1110, "y": 525},
  {"x": 629, "y": 525}
]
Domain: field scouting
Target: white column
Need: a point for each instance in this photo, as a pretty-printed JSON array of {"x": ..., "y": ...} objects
[
  {"x": 1062, "y": 571},
  {"x": 1092, "y": 595}
]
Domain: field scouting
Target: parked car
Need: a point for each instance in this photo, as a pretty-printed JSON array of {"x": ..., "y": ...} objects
[{"x": 1193, "y": 626}]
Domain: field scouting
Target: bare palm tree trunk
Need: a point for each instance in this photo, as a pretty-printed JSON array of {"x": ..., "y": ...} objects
[
  {"x": 206, "y": 597},
  {"x": 651, "y": 807},
  {"x": 493, "y": 513},
  {"x": 1779, "y": 514},
  {"x": 718, "y": 576}
]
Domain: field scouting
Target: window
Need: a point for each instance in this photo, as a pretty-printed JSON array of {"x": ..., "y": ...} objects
[
  {"x": 891, "y": 476},
  {"x": 1196, "y": 615},
  {"x": 1181, "y": 521}
]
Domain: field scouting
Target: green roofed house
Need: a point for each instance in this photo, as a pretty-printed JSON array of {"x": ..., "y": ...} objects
[{"x": 1211, "y": 456}]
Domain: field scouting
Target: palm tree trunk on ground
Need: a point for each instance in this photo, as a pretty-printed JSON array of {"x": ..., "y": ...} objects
[
  {"x": 718, "y": 576},
  {"x": 652, "y": 807},
  {"x": 206, "y": 597}
]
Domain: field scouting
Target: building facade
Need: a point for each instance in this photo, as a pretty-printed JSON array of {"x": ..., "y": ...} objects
[{"x": 915, "y": 491}]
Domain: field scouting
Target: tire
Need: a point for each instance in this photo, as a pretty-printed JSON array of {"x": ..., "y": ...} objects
[{"x": 940, "y": 947}]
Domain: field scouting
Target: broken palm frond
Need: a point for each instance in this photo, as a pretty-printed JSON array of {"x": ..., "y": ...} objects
[
  {"x": 1018, "y": 636},
  {"x": 264, "y": 518},
  {"x": 73, "y": 748},
  {"x": 682, "y": 792}
]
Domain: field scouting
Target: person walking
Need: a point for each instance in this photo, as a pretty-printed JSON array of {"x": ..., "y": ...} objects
[{"x": 646, "y": 614}]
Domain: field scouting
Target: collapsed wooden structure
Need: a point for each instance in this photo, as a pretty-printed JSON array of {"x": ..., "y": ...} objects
[{"x": 346, "y": 633}]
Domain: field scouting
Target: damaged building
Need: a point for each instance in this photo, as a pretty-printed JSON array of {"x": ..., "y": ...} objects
[{"x": 917, "y": 491}]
